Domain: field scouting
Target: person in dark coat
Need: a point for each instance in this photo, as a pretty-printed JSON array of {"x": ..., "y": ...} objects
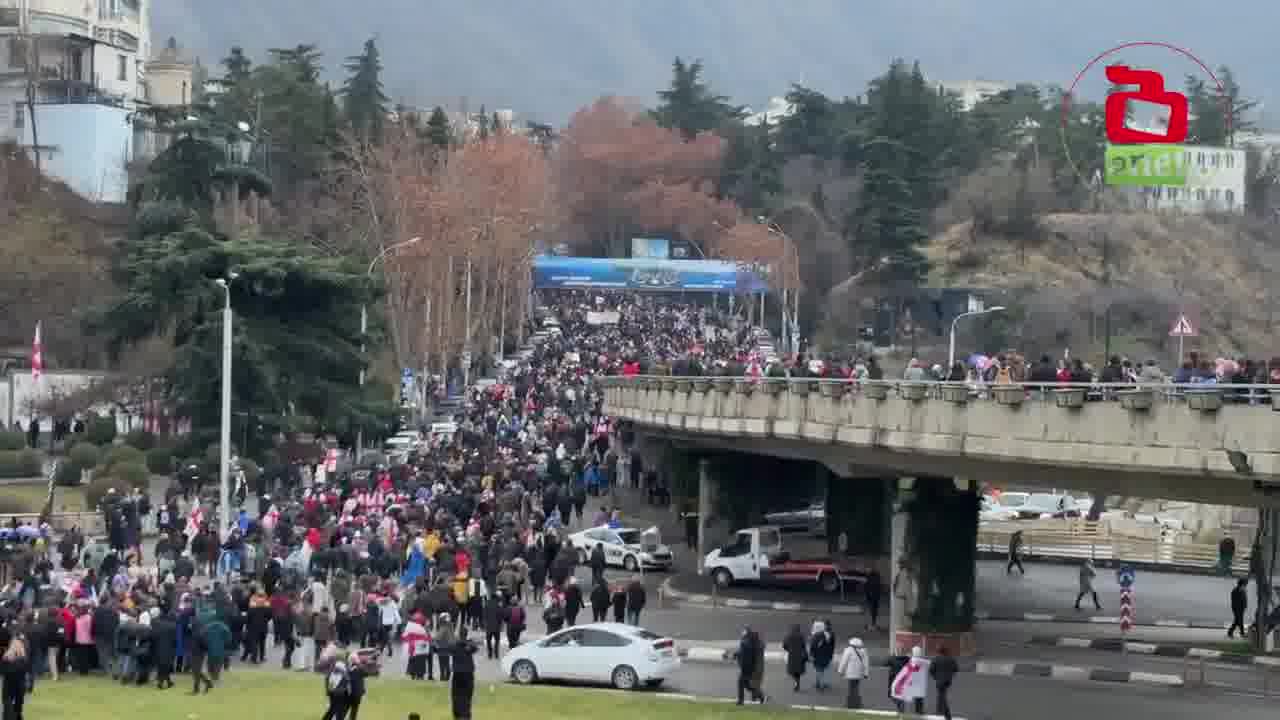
[
  {"x": 748, "y": 655},
  {"x": 13, "y": 672},
  {"x": 164, "y": 645},
  {"x": 944, "y": 669},
  {"x": 572, "y": 602},
  {"x": 871, "y": 592},
  {"x": 619, "y": 599},
  {"x": 635, "y": 601},
  {"x": 1239, "y": 604},
  {"x": 599, "y": 602},
  {"x": 822, "y": 647},
  {"x": 797, "y": 651},
  {"x": 494, "y": 615},
  {"x": 597, "y": 564},
  {"x": 357, "y": 690},
  {"x": 462, "y": 687}
]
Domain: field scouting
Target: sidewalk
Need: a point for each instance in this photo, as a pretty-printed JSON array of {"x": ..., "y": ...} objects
[{"x": 693, "y": 590}]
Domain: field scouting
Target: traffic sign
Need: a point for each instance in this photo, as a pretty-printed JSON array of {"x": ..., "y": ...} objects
[
  {"x": 1126, "y": 610},
  {"x": 1182, "y": 327},
  {"x": 1126, "y": 575}
]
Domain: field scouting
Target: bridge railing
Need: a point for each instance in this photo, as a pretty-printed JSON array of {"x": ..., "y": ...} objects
[
  {"x": 1078, "y": 539},
  {"x": 1207, "y": 397}
]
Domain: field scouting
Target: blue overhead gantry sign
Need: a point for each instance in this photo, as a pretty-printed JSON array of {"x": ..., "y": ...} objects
[{"x": 655, "y": 275}]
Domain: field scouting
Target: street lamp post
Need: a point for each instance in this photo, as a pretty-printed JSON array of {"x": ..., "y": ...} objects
[
  {"x": 951, "y": 354},
  {"x": 224, "y": 449},
  {"x": 364, "y": 326}
]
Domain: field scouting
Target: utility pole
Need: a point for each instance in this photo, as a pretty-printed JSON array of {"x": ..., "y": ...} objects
[{"x": 1106, "y": 284}]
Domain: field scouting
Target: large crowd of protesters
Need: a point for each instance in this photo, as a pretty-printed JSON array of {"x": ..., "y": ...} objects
[{"x": 342, "y": 570}]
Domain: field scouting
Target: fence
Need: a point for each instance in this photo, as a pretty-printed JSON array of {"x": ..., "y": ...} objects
[
  {"x": 90, "y": 523},
  {"x": 1099, "y": 542}
]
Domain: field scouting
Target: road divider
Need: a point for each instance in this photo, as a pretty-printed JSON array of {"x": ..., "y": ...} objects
[
  {"x": 1073, "y": 673},
  {"x": 673, "y": 595},
  {"x": 1169, "y": 650}
]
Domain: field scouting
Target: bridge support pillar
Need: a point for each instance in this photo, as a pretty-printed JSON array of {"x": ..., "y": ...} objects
[
  {"x": 708, "y": 488},
  {"x": 933, "y": 551},
  {"x": 902, "y": 585}
]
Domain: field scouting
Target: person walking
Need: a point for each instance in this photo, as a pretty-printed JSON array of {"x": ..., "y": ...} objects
[
  {"x": 515, "y": 620},
  {"x": 872, "y": 591},
  {"x": 855, "y": 667},
  {"x": 337, "y": 687},
  {"x": 911, "y": 682},
  {"x": 943, "y": 669},
  {"x": 494, "y": 614},
  {"x": 635, "y": 601},
  {"x": 1239, "y": 604},
  {"x": 1015, "y": 554},
  {"x": 15, "y": 664},
  {"x": 1087, "y": 576},
  {"x": 597, "y": 563},
  {"x": 442, "y": 641},
  {"x": 463, "y": 686},
  {"x": 750, "y": 656},
  {"x": 822, "y": 647},
  {"x": 797, "y": 650},
  {"x": 599, "y": 602},
  {"x": 572, "y": 602}
]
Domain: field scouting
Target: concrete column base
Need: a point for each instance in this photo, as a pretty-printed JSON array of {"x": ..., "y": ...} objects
[{"x": 959, "y": 644}]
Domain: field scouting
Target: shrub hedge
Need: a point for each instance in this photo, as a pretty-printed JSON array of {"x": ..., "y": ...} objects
[
  {"x": 160, "y": 461},
  {"x": 20, "y": 464},
  {"x": 140, "y": 439},
  {"x": 12, "y": 440},
  {"x": 100, "y": 430}
]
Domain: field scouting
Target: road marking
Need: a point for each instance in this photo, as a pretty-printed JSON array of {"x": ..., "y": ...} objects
[
  {"x": 738, "y": 603},
  {"x": 706, "y": 654},
  {"x": 1140, "y": 648},
  {"x": 1104, "y": 620},
  {"x": 994, "y": 668},
  {"x": 1173, "y": 623},
  {"x": 789, "y": 606},
  {"x": 1204, "y": 653},
  {"x": 1068, "y": 672},
  {"x": 1268, "y": 661},
  {"x": 1156, "y": 679},
  {"x": 693, "y": 598},
  {"x": 1075, "y": 642},
  {"x": 1038, "y": 617}
]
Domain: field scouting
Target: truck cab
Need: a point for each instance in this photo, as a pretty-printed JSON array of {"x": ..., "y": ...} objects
[{"x": 746, "y": 557}]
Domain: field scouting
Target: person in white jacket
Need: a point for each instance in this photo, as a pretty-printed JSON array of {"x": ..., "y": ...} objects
[{"x": 856, "y": 667}]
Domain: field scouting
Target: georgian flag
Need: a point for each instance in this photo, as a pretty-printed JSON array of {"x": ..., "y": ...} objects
[
  {"x": 37, "y": 356},
  {"x": 194, "y": 520}
]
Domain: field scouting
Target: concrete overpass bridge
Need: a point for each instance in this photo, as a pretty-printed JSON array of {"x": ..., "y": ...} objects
[
  {"x": 1218, "y": 444},
  {"x": 903, "y": 460}
]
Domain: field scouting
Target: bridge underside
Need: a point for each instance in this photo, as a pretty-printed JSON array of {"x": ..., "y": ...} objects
[{"x": 853, "y": 462}]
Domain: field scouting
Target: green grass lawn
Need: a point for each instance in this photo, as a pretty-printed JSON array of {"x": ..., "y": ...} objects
[
  {"x": 32, "y": 496},
  {"x": 290, "y": 696}
]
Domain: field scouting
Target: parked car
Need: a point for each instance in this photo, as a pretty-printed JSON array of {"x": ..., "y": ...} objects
[
  {"x": 1047, "y": 505},
  {"x": 994, "y": 511},
  {"x": 627, "y": 548},
  {"x": 811, "y": 518},
  {"x": 623, "y": 656}
]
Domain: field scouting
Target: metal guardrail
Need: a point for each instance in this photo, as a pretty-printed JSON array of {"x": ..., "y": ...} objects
[
  {"x": 1078, "y": 539},
  {"x": 1205, "y": 396}
]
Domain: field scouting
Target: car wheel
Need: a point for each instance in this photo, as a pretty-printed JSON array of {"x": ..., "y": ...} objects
[
  {"x": 722, "y": 578},
  {"x": 630, "y": 563},
  {"x": 524, "y": 672},
  {"x": 828, "y": 582},
  {"x": 625, "y": 678}
]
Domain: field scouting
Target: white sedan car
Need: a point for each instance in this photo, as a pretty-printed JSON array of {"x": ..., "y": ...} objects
[
  {"x": 624, "y": 656},
  {"x": 993, "y": 511},
  {"x": 627, "y": 548}
]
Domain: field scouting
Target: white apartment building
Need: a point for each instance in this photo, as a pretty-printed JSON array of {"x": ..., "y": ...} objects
[
  {"x": 89, "y": 74},
  {"x": 971, "y": 92}
]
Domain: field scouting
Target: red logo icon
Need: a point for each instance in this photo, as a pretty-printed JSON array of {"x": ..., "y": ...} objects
[{"x": 1151, "y": 90}]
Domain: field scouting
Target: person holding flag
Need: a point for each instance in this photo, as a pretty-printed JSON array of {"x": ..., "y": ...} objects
[{"x": 911, "y": 683}]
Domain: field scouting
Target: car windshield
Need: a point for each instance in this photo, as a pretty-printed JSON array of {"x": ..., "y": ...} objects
[
  {"x": 1047, "y": 500},
  {"x": 1013, "y": 499},
  {"x": 629, "y": 537}
]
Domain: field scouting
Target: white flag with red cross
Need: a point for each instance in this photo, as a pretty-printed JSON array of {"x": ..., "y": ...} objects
[{"x": 37, "y": 356}]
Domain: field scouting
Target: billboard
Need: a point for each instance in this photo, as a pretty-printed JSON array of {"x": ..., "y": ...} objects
[
  {"x": 569, "y": 273},
  {"x": 650, "y": 248}
]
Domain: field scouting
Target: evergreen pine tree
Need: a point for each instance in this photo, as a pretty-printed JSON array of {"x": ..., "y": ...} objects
[
  {"x": 439, "y": 133},
  {"x": 690, "y": 106},
  {"x": 364, "y": 104}
]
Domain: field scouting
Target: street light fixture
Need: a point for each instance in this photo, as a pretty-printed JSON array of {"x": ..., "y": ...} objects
[
  {"x": 364, "y": 324},
  {"x": 951, "y": 355},
  {"x": 224, "y": 445}
]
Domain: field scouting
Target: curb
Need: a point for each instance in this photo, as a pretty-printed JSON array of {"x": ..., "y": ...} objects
[
  {"x": 714, "y": 700},
  {"x": 704, "y": 600},
  {"x": 1076, "y": 673},
  {"x": 1155, "y": 649},
  {"x": 1202, "y": 570}
]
